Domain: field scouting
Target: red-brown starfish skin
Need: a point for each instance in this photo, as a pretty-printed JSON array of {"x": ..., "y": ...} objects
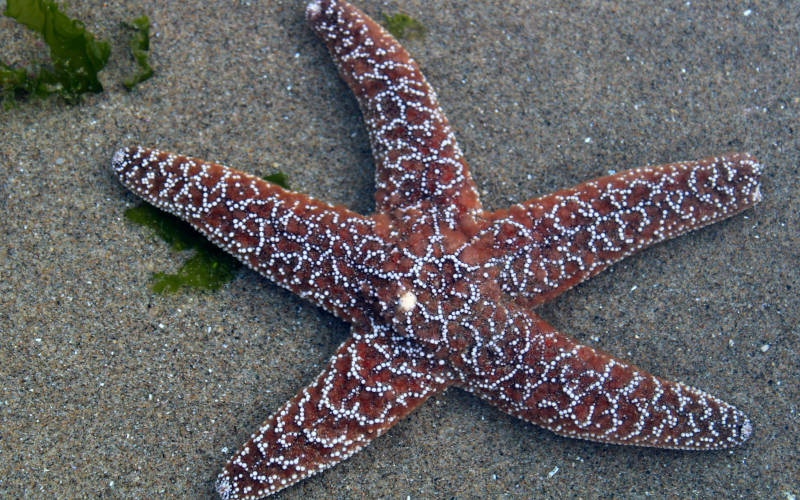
[{"x": 439, "y": 291}]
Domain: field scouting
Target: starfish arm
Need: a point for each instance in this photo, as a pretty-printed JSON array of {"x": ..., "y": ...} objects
[
  {"x": 369, "y": 384},
  {"x": 292, "y": 239},
  {"x": 548, "y": 379},
  {"x": 554, "y": 242},
  {"x": 416, "y": 154}
]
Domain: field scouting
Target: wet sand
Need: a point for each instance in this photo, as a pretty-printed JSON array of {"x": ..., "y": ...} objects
[{"x": 110, "y": 391}]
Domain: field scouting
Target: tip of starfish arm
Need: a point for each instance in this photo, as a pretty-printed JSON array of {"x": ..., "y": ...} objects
[
  {"x": 747, "y": 429},
  {"x": 738, "y": 427},
  {"x": 119, "y": 158},
  {"x": 757, "y": 194},
  {"x": 223, "y": 487},
  {"x": 313, "y": 9}
]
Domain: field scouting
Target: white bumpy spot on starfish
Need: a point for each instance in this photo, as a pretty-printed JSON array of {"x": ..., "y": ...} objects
[
  {"x": 439, "y": 291},
  {"x": 407, "y": 301}
]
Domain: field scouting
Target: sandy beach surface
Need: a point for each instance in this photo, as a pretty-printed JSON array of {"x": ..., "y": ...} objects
[{"x": 108, "y": 390}]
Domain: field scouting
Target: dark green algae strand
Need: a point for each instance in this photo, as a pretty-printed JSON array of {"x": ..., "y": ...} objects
[
  {"x": 75, "y": 56},
  {"x": 140, "y": 50},
  {"x": 403, "y": 26}
]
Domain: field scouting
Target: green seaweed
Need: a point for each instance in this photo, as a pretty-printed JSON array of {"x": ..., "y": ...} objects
[
  {"x": 209, "y": 268},
  {"x": 75, "y": 56},
  {"x": 178, "y": 234},
  {"x": 140, "y": 49},
  {"x": 14, "y": 81},
  {"x": 403, "y": 26},
  {"x": 279, "y": 179}
]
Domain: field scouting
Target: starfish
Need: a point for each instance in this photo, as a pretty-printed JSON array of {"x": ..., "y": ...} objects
[{"x": 440, "y": 292}]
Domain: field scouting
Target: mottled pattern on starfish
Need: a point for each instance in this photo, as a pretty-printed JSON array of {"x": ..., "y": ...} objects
[{"x": 440, "y": 292}]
